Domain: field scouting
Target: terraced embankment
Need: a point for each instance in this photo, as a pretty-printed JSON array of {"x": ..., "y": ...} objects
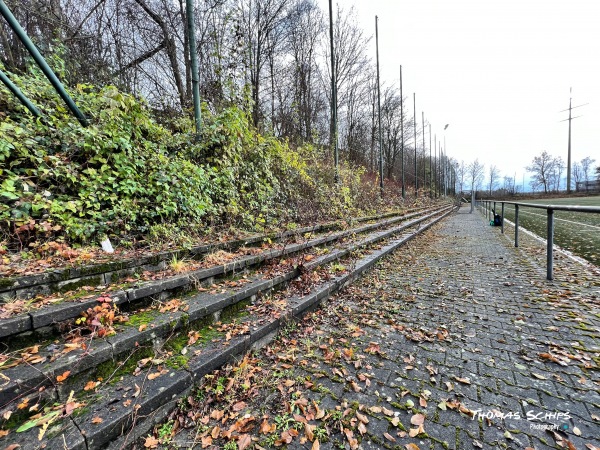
[{"x": 82, "y": 369}]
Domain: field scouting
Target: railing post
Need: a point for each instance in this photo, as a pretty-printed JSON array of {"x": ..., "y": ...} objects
[
  {"x": 502, "y": 220},
  {"x": 550, "y": 245},
  {"x": 472, "y": 202},
  {"x": 516, "y": 225}
]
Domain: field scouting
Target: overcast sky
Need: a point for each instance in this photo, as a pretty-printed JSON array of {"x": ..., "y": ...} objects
[{"x": 498, "y": 72}]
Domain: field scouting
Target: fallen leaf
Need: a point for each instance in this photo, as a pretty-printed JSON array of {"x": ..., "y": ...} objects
[
  {"x": 265, "y": 427},
  {"x": 416, "y": 431},
  {"x": 389, "y": 437},
  {"x": 309, "y": 431},
  {"x": 206, "y": 441},
  {"x": 151, "y": 442},
  {"x": 97, "y": 419},
  {"x": 538, "y": 376},
  {"x": 362, "y": 418},
  {"x": 316, "y": 445},
  {"x": 351, "y": 440},
  {"x": 4, "y": 433},
  {"x": 417, "y": 419},
  {"x": 90, "y": 385},
  {"x": 479, "y": 444},
  {"x": 412, "y": 446},
  {"x": 576, "y": 431},
  {"x": 239, "y": 406},
  {"x": 387, "y": 412},
  {"x": 244, "y": 441},
  {"x": 361, "y": 428},
  {"x": 63, "y": 377},
  {"x": 142, "y": 327},
  {"x": 217, "y": 414},
  {"x": 463, "y": 380}
]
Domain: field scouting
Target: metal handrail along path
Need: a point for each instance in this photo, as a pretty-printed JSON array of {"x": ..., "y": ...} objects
[{"x": 550, "y": 223}]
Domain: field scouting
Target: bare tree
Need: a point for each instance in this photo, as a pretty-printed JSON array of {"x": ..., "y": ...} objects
[
  {"x": 461, "y": 172},
  {"x": 586, "y": 164},
  {"x": 509, "y": 185},
  {"x": 494, "y": 175},
  {"x": 475, "y": 171},
  {"x": 261, "y": 20},
  {"x": 577, "y": 173},
  {"x": 542, "y": 168}
]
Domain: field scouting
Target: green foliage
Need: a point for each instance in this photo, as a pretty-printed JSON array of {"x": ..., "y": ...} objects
[
  {"x": 126, "y": 175},
  {"x": 116, "y": 176}
]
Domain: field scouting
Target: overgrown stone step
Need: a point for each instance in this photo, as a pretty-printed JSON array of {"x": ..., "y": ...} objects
[
  {"x": 22, "y": 380},
  {"x": 43, "y": 317},
  {"x": 68, "y": 278},
  {"x": 119, "y": 413}
]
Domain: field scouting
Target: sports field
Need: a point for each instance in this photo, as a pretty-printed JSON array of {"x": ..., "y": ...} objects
[{"x": 576, "y": 232}]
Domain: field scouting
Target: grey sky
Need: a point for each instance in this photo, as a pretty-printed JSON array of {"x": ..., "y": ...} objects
[{"x": 498, "y": 72}]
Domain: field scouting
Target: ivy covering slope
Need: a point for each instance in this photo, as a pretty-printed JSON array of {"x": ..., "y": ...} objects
[{"x": 127, "y": 176}]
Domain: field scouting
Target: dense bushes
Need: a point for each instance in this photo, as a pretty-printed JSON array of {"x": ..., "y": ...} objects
[{"x": 126, "y": 175}]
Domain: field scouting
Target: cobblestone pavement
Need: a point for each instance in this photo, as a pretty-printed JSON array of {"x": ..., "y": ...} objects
[{"x": 454, "y": 342}]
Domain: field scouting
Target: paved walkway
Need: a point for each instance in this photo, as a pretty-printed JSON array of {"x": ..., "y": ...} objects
[{"x": 456, "y": 340}]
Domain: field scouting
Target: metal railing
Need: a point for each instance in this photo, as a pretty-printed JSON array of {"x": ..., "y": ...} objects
[{"x": 549, "y": 222}]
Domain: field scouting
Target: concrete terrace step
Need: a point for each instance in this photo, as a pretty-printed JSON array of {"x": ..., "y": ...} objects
[
  {"x": 67, "y": 278},
  {"x": 24, "y": 380},
  {"x": 119, "y": 413},
  {"x": 65, "y": 310}
]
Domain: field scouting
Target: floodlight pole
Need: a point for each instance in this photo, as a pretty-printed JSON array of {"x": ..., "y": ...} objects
[
  {"x": 415, "y": 140},
  {"x": 430, "y": 173},
  {"x": 424, "y": 165},
  {"x": 334, "y": 131},
  {"x": 379, "y": 109},
  {"x": 402, "y": 132}
]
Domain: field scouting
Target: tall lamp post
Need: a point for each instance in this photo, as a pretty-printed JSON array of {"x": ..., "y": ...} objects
[
  {"x": 445, "y": 163},
  {"x": 379, "y": 108},
  {"x": 415, "y": 135},
  {"x": 334, "y": 137}
]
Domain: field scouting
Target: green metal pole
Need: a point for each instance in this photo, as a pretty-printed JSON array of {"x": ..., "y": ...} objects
[
  {"x": 41, "y": 62},
  {"x": 194, "y": 60},
  {"x": 430, "y": 174},
  {"x": 379, "y": 109},
  {"x": 424, "y": 165},
  {"x": 334, "y": 137},
  {"x": 415, "y": 133},
  {"x": 402, "y": 132},
  {"x": 17, "y": 93}
]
